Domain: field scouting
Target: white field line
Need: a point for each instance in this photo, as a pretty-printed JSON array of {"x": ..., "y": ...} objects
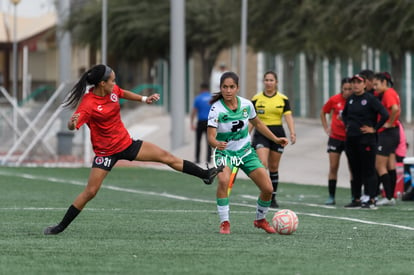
[
  {"x": 53, "y": 209},
  {"x": 337, "y": 217},
  {"x": 298, "y": 203},
  {"x": 120, "y": 210},
  {"x": 171, "y": 196}
]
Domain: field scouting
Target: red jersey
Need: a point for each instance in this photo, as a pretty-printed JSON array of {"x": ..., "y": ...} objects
[
  {"x": 390, "y": 98},
  {"x": 336, "y": 104},
  {"x": 103, "y": 117}
]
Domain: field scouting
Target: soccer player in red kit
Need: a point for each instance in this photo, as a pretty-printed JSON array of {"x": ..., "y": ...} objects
[
  {"x": 388, "y": 137},
  {"x": 99, "y": 108},
  {"x": 336, "y": 133}
]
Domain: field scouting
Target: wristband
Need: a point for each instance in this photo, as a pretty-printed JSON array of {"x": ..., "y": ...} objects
[{"x": 144, "y": 98}]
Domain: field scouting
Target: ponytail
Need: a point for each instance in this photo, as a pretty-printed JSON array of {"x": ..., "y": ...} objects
[
  {"x": 216, "y": 97},
  {"x": 77, "y": 92},
  {"x": 93, "y": 76}
]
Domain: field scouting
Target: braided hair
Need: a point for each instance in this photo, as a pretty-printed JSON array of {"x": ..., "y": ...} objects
[{"x": 92, "y": 76}]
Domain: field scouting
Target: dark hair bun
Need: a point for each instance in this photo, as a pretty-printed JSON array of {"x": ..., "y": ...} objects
[{"x": 95, "y": 74}]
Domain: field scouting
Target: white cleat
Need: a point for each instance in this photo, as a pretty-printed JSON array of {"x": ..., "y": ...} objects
[{"x": 386, "y": 202}]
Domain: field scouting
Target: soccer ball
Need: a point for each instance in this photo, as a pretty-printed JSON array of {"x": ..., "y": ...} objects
[{"x": 285, "y": 222}]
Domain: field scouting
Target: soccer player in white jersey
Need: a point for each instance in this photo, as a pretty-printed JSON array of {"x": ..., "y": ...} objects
[{"x": 228, "y": 133}]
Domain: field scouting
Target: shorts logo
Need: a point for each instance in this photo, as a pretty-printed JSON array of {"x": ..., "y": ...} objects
[
  {"x": 114, "y": 97},
  {"x": 259, "y": 145},
  {"x": 103, "y": 161},
  {"x": 99, "y": 160}
]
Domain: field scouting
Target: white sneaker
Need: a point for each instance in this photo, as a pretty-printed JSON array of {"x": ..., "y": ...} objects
[
  {"x": 386, "y": 202},
  {"x": 364, "y": 198}
]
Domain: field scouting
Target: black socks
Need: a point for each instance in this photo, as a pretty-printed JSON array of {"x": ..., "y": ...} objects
[
  {"x": 70, "y": 215},
  {"x": 332, "y": 188},
  {"x": 274, "y": 177},
  {"x": 194, "y": 170},
  {"x": 393, "y": 180},
  {"x": 386, "y": 183}
]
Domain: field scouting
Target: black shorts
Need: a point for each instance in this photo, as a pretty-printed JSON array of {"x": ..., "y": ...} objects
[
  {"x": 388, "y": 141},
  {"x": 335, "y": 145},
  {"x": 260, "y": 141},
  {"x": 107, "y": 162}
]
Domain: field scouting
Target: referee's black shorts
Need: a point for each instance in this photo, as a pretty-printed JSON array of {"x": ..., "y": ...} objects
[{"x": 260, "y": 141}]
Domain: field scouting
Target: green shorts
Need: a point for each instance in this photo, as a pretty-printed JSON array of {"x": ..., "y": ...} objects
[{"x": 246, "y": 159}]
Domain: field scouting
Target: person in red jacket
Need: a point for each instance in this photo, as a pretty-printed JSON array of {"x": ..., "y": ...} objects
[
  {"x": 336, "y": 133},
  {"x": 388, "y": 137},
  {"x": 99, "y": 108}
]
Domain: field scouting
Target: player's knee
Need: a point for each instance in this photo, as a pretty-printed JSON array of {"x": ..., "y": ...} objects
[
  {"x": 167, "y": 158},
  {"x": 90, "y": 193},
  {"x": 267, "y": 189},
  {"x": 223, "y": 183}
]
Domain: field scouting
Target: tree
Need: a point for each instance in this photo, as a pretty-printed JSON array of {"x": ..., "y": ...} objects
[
  {"x": 140, "y": 30},
  {"x": 332, "y": 28},
  {"x": 137, "y": 30},
  {"x": 390, "y": 28},
  {"x": 211, "y": 27},
  {"x": 336, "y": 28},
  {"x": 290, "y": 27}
]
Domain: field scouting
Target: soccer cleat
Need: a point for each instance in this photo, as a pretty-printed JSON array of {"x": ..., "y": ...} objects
[
  {"x": 225, "y": 227},
  {"x": 369, "y": 205},
  {"x": 386, "y": 202},
  {"x": 212, "y": 173},
  {"x": 263, "y": 224},
  {"x": 274, "y": 204},
  {"x": 330, "y": 201},
  {"x": 364, "y": 198},
  {"x": 52, "y": 230},
  {"x": 353, "y": 205}
]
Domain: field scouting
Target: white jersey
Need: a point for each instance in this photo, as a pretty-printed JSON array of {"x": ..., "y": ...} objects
[{"x": 232, "y": 126}]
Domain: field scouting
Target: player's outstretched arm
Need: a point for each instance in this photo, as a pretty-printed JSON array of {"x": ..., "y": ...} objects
[{"x": 136, "y": 97}]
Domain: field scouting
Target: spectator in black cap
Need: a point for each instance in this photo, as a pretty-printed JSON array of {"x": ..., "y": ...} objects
[
  {"x": 369, "y": 87},
  {"x": 360, "y": 116}
]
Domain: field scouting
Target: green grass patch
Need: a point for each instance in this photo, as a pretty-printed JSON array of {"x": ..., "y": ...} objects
[{"x": 146, "y": 221}]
